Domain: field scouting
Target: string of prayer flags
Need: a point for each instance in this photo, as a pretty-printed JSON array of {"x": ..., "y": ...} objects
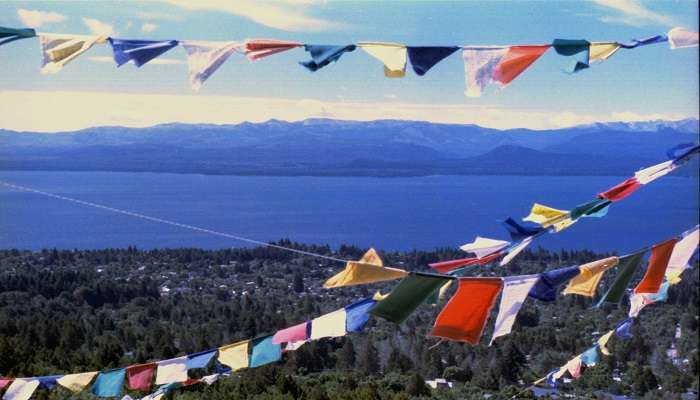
[
  {"x": 21, "y": 389},
  {"x": 140, "y": 376},
  {"x": 139, "y": 51},
  {"x": 264, "y": 352},
  {"x": 296, "y": 333},
  {"x": 424, "y": 58},
  {"x": 369, "y": 269},
  {"x": 392, "y": 55},
  {"x": 58, "y": 50},
  {"x": 682, "y": 253},
  {"x": 679, "y": 38},
  {"x": 204, "y": 58},
  {"x": 76, "y": 382},
  {"x": 260, "y": 48},
  {"x": 621, "y": 190},
  {"x": 587, "y": 282},
  {"x": 515, "y": 291},
  {"x": 628, "y": 265},
  {"x": 357, "y": 314},
  {"x": 656, "y": 269},
  {"x": 8, "y": 35},
  {"x": 578, "y": 49},
  {"x": 171, "y": 370},
  {"x": 235, "y": 355},
  {"x": 483, "y": 247},
  {"x": 109, "y": 383},
  {"x": 329, "y": 325},
  {"x": 322, "y": 55},
  {"x": 464, "y": 317},
  {"x": 411, "y": 292},
  {"x": 546, "y": 287},
  {"x": 199, "y": 360},
  {"x": 451, "y": 265}
]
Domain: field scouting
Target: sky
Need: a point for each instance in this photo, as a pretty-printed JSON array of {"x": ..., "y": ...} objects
[{"x": 652, "y": 82}]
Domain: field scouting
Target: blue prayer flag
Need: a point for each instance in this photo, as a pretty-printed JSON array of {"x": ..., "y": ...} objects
[
  {"x": 8, "y": 35},
  {"x": 424, "y": 58},
  {"x": 546, "y": 287},
  {"x": 579, "y": 49},
  {"x": 199, "y": 360},
  {"x": 264, "y": 352},
  {"x": 590, "y": 357},
  {"x": 140, "y": 51},
  {"x": 623, "y": 330},
  {"x": 322, "y": 55},
  {"x": 643, "y": 42},
  {"x": 109, "y": 383},
  {"x": 518, "y": 232},
  {"x": 357, "y": 314},
  {"x": 48, "y": 382}
]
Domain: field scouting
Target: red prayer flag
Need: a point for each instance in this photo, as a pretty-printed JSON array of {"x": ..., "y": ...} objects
[
  {"x": 296, "y": 333},
  {"x": 517, "y": 60},
  {"x": 447, "y": 266},
  {"x": 140, "y": 376},
  {"x": 621, "y": 191},
  {"x": 658, "y": 262},
  {"x": 464, "y": 316},
  {"x": 261, "y": 48},
  {"x": 5, "y": 382}
]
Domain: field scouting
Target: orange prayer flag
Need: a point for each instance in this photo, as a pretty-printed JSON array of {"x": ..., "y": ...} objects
[
  {"x": 464, "y": 316},
  {"x": 517, "y": 60},
  {"x": 658, "y": 262}
]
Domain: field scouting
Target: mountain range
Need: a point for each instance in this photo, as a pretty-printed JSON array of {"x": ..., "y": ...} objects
[{"x": 351, "y": 148}]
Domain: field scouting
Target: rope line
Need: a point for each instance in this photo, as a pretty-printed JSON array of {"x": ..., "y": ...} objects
[{"x": 168, "y": 222}]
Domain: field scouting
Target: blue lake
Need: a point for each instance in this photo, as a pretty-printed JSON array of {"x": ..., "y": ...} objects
[{"x": 387, "y": 213}]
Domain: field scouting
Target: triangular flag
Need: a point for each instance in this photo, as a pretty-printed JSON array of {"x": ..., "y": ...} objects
[
  {"x": 679, "y": 38},
  {"x": 603, "y": 341},
  {"x": 255, "y": 49},
  {"x": 8, "y": 35},
  {"x": 139, "y": 51},
  {"x": 76, "y": 382},
  {"x": 424, "y": 58},
  {"x": 204, "y": 58},
  {"x": 368, "y": 269},
  {"x": 479, "y": 66},
  {"x": 392, "y": 55},
  {"x": 587, "y": 282},
  {"x": 58, "y": 49},
  {"x": 515, "y": 290},
  {"x": 482, "y": 247}
]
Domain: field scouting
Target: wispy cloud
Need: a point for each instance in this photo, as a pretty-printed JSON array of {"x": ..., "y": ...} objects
[
  {"x": 288, "y": 15},
  {"x": 155, "y": 61},
  {"x": 632, "y": 12},
  {"x": 98, "y": 27},
  {"x": 36, "y": 18},
  {"x": 139, "y": 109},
  {"x": 148, "y": 27}
]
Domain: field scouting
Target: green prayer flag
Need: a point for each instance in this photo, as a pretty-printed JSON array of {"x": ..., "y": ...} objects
[
  {"x": 8, "y": 35},
  {"x": 593, "y": 209},
  {"x": 628, "y": 266},
  {"x": 407, "y": 296}
]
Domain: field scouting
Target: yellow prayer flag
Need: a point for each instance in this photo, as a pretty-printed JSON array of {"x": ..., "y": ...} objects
[
  {"x": 603, "y": 341},
  {"x": 235, "y": 355},
  {"x": 393, "y": 55},
  {"x": 379, "y": 296},
  {"x": 601, "y": 51},
  {"x": 586, "y": 283},
  {"x": 368, "y": 269},
  {"x": 76, "y": 382},
  {"x": 548, "y": 216}
]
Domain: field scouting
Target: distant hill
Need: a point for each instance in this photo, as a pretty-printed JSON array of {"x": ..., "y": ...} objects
[{"x": 332, "y": 147}]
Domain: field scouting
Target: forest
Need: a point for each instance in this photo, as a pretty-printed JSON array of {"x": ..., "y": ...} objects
[{"x": 67, "y": 311}]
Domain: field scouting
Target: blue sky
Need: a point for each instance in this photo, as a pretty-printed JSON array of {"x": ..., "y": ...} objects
[{"x": 645, "y": 83}]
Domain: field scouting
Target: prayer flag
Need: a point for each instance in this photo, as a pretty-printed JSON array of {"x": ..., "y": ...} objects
[
  {"x": 172, "y": 370},
  {"x": 479, "y": 66},
  {"x": 640, "y": 300},
  {"x": 294, "y": 333},
  {"x": 204, "y": 58},
  {"x": 643, "y": 42},
  {"x": 574, "y": 367},
  {"x": 656, "y": 269},
  {"x": 369, "y": 269},
  {"x": 682, "y": 253},
  {"x": 628, "y": 266},
  {"x": 76, "y": 382},
  {"x": 518, "y": 232},
  {"x": 21, "y": 389},
  {"x": 464, "y": 316},
  {"x": 260, "y": 48},
  {"x": 5, "y": 382},
  {"x": 596, "y": 208},
  {"x": 515, "y": 290},
  {"x": 620, "y": 191},
  {"x": 139, "y": 377},
  {"x": 623, "y": 330},
  {"x": 579, "y": 49},
  {"x": 603, "y": 341},
  {"x": 411, "y": 292},
  {"x": 392, "y": 55},
  {"x": 357, "y": 314},
  {"x": 590, "y": 357},
  {"x": 587, "y": 282},
  {"x": 548, "y": 216},
  {"x": 235, "y": 355},
  {"x": 546, "y": 287},
  {"x": 681, "y": 154},
  {"x": 679, "y": 38},
  {"x": 654, "y": 172},
  {"x": 322, "y": 55},
  {"x": 329, "y": 325},
  {"x": 482, "y": 247},
  {"x": 48, "y": 382},
  {"x": 424, "y": 58},
  {"x": 139, "y": 51},
  {"x": 58, "y": 49},
  {"x": 601, "y": 51},
  {"x": 517, "y": 60},
  {"x": 516, "y": 250},
  {"x": 109, "y": 383},
  {"x": 8, "y": 35},
  {"x": 200, "y": 360},
  {"x": 264, "y": 352},
  {"x": 292, "y": 346},
  {"x": 449, "y": 266}
]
